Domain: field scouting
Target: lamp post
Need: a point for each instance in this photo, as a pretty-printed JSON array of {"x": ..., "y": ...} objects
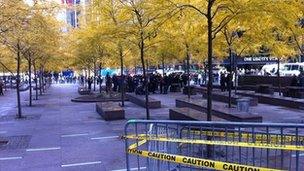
[{"x": 230, "y": 76}]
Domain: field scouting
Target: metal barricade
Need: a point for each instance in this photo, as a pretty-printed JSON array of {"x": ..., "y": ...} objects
[{"x": 191, "y": 145}]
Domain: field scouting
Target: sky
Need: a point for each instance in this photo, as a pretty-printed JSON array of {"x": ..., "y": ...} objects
[{"x": 60, "y": 16}]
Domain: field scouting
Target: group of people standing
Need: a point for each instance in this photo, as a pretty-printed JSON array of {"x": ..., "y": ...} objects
[
  {"x": 157, "y": 83},
  {"x": 298, "y": 80}
]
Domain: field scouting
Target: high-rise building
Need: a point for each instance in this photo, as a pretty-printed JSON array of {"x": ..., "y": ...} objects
[{"x": 72, "y": 12}]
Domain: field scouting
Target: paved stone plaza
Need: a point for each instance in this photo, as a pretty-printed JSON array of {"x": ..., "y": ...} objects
[{"x": 61, "y": 135}]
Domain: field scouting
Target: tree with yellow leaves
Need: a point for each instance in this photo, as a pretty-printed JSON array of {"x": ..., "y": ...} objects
[
  {"x": 26, "y": 33},
  {"x": 216, "y": 15},
  {"x": 145, "y": 17}
]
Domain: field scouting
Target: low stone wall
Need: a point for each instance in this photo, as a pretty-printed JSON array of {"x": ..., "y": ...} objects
[
  {"x": 140, "y": 100},
  {"x": 275, "y": 100},
  {"x": 246, "y": 80},
  {"x": 224, "y": 97},
  {"x": 189, "y": 114},
  {"x": 220, "y": 111},
  {"x": 110, "y": 111}
]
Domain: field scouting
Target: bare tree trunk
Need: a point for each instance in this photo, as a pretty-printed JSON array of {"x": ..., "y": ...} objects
[
  {"x": 36, "y": 81},
  {"x": 122, "y": 76},
  {"x": 85, "y": 78},
  {"x": 30, "y": 79},
  {"x": 279, "y": 77},
  {"x": 210, "y": 54},
  {"x": 142, "y": 48},
  {"x": 43, "y": 80},
  {"x": 19, "y": 114},
  {"x": 163, "y": 65},
  {"x": 94, "y": 80},
  {"x": 188, "y": 74},
  {"x": 230, "y": 76},
  {"x": 100, "y": 78},
  {"x": 40, "y": 82},
  {"x": 4, "y": 79},
  {"x": 235, "y": 74}
]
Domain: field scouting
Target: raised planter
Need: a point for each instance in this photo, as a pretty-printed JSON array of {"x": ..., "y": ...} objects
[
  {"x": 275, "y": 100},
  {"x": 224, "y": 97},
  {"x": 265, "y": 89},
  {"x": 219, "y": 110},
  {"x": 140, "y": 100},
  {"x": 83, "y": 91},
  {"x": 110, "y": 111},
  {"x": 103, "y": 97},
  {"x": 295, "y": 92},
  {"x": 189, "y": 114}
]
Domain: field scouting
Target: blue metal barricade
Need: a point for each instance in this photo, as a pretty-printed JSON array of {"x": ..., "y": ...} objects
[{"x": 181, "y": 145}]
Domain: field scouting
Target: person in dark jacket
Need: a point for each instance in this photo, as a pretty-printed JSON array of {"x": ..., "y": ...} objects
[
  {"x": 1, "y": 88},
  {"x": 294, "y": 81},
  {"x": 90, "y": 81},
  {"x": 229, "y": 81},
  {"x": 166, "y": 84},
  {"x": 223, "y": 82},
  {"x": 301, "y": 78},
  {"x": 108, "y": 83}
]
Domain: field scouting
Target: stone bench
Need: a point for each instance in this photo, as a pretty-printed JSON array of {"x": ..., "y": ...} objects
[
  {"x": 230, "y": 114},
  {"x": 110, "y": 111},
  {"x": 224, "y": 97},
  {"x": 275, "y": 100},
  {"x": 189, "y": 114},
  {"x": 140, "y": 100},
  {"x": 295, "y": 92},
  {"x": 83, "y": 91},
  {"x": 265, "y": 89}
]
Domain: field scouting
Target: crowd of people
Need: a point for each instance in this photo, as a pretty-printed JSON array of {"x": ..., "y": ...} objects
[
  {"x": 157, "y": 83},
  {"x": 298, "y": 80},
  {"x": 225, "y": 81}
]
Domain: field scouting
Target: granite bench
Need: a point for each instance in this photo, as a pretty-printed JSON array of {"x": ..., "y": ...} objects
[
  {"x": 83, "y": 91},
  {"x": 221, "y": 111},
  {"x": 224, "y": 97},
  {"x": 110, "y": 111},
  {"x": 275, "y": 100},
  {"x": 140, "y": 100},
  {"x": 189, "y": 114}
]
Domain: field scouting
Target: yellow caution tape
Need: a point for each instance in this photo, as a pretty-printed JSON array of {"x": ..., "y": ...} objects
[
  {"x": 137, "y": 144},
  {"x": 197, "y": 162},
  {"x": 265, "y": 137},
  {"x": 221, "y": 143}
]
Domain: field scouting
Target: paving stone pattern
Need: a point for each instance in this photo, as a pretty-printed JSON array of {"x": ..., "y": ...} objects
[{"x": 58, "y": 134}]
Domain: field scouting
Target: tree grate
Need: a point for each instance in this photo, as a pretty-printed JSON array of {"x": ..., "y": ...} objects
[
  {"x": 24, "y": 118},
  {"x": 14, "y": 142}
]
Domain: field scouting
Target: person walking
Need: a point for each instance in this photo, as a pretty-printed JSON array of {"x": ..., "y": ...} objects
[
  {"x": 90, "y": 81},
  {"x": 166, "y": 84},
  {"x": 301, "y": 78},
  {"x": 229, "y": 81},
  {"x": 108, "y": 83},
  {"x": 222, "y": 82},
  {"x": 199, "y": 79},
  {"x": 1, "y": 88}
]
